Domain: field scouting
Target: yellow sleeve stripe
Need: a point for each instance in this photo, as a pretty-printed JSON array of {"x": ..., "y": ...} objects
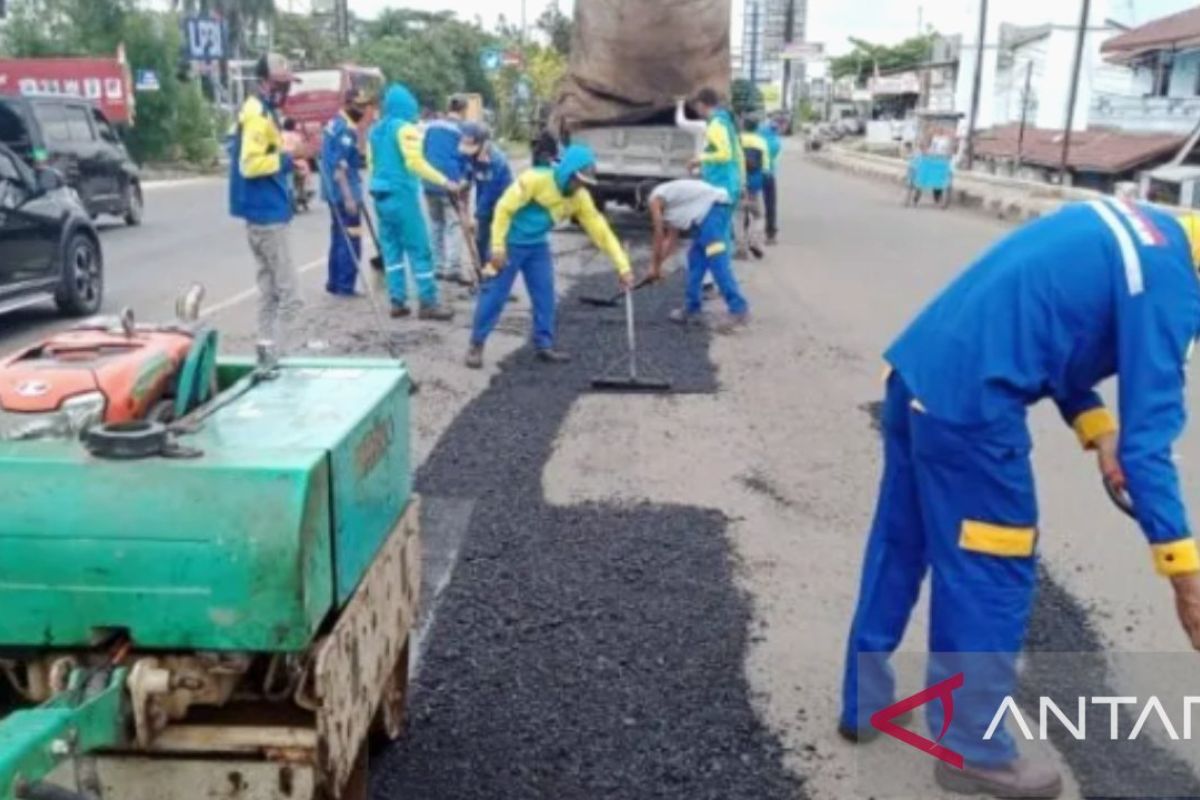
[
  {"x": 1091, "y": 425},
  {"x": 1176, "y": 558},
  {"x": 997, "y": 540}
]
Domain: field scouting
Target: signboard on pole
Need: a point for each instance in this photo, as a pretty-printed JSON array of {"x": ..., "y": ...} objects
[
  {"x": 803, "y": 51},
  {"x": 204, "y": 38},
  {"x": 490, "y": 59},
  {"x": 147, "y": 81}
]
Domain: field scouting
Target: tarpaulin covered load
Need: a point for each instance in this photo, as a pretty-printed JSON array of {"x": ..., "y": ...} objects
[{"x": 631, "y": 59}]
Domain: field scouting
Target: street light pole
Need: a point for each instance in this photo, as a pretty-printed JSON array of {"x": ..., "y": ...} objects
[
  {"x": 977, "y": 84},
  {"x": 789, "y": 33},
  {"x": 1073, "y": 95},
  {"x": 754, "y": 43}
]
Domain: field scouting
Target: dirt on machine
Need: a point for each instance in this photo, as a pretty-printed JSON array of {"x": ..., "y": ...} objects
[{"x": 212, "y": 566}]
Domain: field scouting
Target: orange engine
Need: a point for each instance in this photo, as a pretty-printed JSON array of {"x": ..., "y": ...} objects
[{"x": 132, "y": 373}]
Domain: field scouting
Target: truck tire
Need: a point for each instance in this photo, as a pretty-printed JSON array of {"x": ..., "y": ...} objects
[{"x": 81, "y": 287}]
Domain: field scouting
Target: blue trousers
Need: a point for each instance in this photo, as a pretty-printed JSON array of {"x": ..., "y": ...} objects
[
  {"x": 345, "y": 249},
  {"x": 404, "y": 238},
  {"x": 958, "y": 502},
  {"x": 535, "y": 263},
  {"x": 710, "y": 252},
  {"x": 483, "y": 238}
]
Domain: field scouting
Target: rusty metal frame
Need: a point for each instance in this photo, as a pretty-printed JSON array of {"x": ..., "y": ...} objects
[{"x": 357, "y": 660}]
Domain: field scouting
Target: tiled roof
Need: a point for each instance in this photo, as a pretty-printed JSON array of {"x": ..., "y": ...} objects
[
  {"x": 1176, "y": 31},
  {"x": 1095, "y": 150}
]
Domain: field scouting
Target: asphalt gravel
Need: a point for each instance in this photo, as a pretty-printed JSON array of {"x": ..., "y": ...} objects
[{"x": 589, "y": 651}]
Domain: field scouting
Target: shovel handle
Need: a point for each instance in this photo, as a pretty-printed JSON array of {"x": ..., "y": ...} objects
[{"x": 1120, "y": 498}]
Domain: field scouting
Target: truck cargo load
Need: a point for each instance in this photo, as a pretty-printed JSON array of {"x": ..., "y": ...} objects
[
  {"x": 631, "y": 59},
  {"x": 631, "y": 62}
]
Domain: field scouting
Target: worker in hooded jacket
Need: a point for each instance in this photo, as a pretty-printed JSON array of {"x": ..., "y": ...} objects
[
  {"x": 540, "y": 197},
  {"x": 398, "y": 166},
  {"x": 1095, "y": 290}
]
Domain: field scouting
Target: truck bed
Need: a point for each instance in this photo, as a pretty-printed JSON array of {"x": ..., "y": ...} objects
[{"x": 633, "y": 159}]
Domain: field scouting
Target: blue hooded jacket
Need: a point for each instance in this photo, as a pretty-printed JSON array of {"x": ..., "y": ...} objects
[
  {"x": 1097, "y": 289},
  {"x": 442, "y": 138},
  {"x": 397, "y": 154}
]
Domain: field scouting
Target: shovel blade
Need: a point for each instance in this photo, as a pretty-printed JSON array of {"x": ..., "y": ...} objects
[{"x": 600, "y": 302}]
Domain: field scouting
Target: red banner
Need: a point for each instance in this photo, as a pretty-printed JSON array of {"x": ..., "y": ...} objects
[{"x": 104, "y": 81}]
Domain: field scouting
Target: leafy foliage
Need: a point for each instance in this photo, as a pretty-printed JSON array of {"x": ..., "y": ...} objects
[
  {"x": 861, "y": 62},
  {"x": 557, "y": 28},
  {"x": 746, "y": 97}
]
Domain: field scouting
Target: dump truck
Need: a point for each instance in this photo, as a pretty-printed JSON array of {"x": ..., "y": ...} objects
[
  {"x": 631, "y": 64},
  {"x": 211, "y": 568}
]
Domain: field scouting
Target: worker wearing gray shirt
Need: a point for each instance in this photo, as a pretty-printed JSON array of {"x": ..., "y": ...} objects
[{"x": 703, "y": 210}]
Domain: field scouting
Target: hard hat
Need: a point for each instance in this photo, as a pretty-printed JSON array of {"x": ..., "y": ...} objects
[{"x": 1191, "y": 227}]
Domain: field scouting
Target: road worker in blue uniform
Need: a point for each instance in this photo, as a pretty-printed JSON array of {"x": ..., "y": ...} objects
[
  {"x": 397, "y": 167},
  {"x": 768, "y": 130},
  {"x": 722, "y": 163},
  {"x": 757, "y": 158},
  {"x": 1097, "y": 289},
  {"x": 540, "y": 197},
  {"x": 341, "y": 182},
  {"x": 488, "y": 169}
]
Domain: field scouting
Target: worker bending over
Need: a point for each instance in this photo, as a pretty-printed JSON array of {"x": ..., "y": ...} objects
[
  {"x": 341, "y": 182},
  {"x": 1098, "y": 289},
  {"x": 488, "y": 169},
  {"x": 397, "y": 167},
  {"x": 695, "y": 207},
  {"x": 524, "y": 216},
  {"x": 757, "y": 157}
]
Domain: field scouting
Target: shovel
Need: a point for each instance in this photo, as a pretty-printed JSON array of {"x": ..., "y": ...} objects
[
  {"x": 611, "y": 302},
  {"x": 377, "y": 259},
  {"x": 632, "y": 382}
]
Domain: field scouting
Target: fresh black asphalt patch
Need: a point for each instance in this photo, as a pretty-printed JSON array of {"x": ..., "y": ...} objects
[{"x": 589, "y": 651}]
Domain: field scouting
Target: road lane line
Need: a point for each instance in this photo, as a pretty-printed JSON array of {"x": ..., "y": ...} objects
[
  {"x": 245, "y": 295},
  {"x": 178, "y": 183}
]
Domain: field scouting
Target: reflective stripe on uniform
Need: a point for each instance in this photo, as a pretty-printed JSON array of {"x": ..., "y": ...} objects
[
  {"x": 997, "y": 540},
  {"x": 394, "y": 268},
  {"x": 715, "y": 249},
  {"x": 1129, "y": 252},
  {"x": 1145, "y": 230}
]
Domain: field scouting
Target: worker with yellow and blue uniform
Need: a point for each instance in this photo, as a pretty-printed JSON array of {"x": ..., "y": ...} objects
[
  {"x": 397, "y": 167},
  {"x": 341, "y": 182},
  {"x": 1095, "y": 290},
  {"x": 722, "y": 162},
  {"x": 525, "y": 214},
  {"x": 757, "y": 158},
  {"x": 768, "y": 130}
]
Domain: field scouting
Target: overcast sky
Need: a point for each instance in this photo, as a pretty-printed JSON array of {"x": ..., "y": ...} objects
[{"x": 833, "y": 21}]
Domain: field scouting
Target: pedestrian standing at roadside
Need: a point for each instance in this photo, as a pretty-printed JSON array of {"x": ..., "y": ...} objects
[
  {"x": 341, "y": 183},
  {"x": 260, "y": 172},
  {"x": 1096, "y": 290},
  {"x": 442, "y": 137},
  {"x": 488, "y": 169},
  {"x": 527, "y": 211},
  {"x": 398, "y": 166},
  {"x": 769, "y": 131},
  {"x": 758, "y": 161},
  {"x": 701, "y": 210}
]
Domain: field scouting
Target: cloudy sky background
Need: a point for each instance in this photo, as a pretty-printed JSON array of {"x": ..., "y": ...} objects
[{"x": 833, "y": 21}]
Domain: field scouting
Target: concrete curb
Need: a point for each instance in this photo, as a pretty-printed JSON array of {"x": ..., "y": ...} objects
[{"x": 1003, "y": 198}]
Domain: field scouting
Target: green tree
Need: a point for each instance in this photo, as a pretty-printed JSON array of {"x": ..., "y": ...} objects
[
  {"x": 862, "y": 61},
  {"x": 307, "y": 42},
  {"x": 745, "y": 97},
  {"x": 557, "y": 27}
]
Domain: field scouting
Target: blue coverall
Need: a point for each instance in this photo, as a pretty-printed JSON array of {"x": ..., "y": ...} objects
[
  {"x": 397, "y": 167},
  {"x": 524, "y": 216},
  {"x": 339, "y": 148},
  {"x": 1065, "y": 302},
  {"x": 492, "y": 177}
]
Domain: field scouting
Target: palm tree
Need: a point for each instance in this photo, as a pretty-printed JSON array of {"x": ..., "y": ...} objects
[{"x": 240, "y": 15}]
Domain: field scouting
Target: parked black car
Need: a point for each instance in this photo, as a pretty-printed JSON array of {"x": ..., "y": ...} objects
[
  {"x": 48, "y": 247},
  {"x": 75, "y": 137}
]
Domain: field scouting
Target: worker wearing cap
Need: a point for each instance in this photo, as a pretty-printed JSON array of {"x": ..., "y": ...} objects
[
  {"x": 488, "y": 169},
  {"x": 1096, "y": 290},
  {"x": 260, "y": 194},
  {"x": 526, "y": 212},
  {"x": 721, "y": 163},
  {"x": 341, "y": 168},
  {"x": 757, "y": 157},
  {"x": 442, "y": 137},
  {"x": 397, "y": 167},
  {"x": 697, "y": 208}
]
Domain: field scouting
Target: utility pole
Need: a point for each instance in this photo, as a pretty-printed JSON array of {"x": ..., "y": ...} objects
[
  {"x": 1073, "y": 95},
  {"x": 524, "y": 31},
  {"x": 754, "y": 42},
  {"x": 977, "y": 83},
  {"x": 1024, "y": 112},
  {"x": 789, "y": 33}
]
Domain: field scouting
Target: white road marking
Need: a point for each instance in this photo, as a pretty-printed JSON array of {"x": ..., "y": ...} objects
[
  {"x": 246, "y": 294},
  {"x": 174, "y": 183}
]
